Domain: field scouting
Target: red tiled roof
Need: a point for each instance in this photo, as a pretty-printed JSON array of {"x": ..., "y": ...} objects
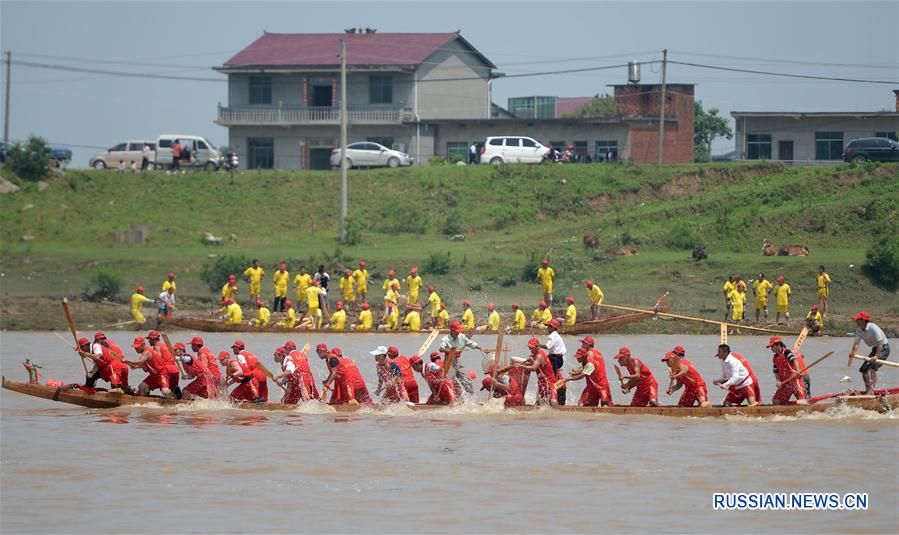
[
  {"x": 570, "y": 104},
  {"x": 292, "y": 49}
]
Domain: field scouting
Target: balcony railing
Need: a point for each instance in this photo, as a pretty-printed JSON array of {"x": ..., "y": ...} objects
[{"x": 284, "y": 115}]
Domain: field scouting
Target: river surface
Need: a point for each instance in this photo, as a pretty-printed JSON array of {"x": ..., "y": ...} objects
[{"x": 470, "y": 469}]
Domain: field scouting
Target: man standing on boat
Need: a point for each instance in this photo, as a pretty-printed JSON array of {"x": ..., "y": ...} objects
[
  {"x": 787, "y": 368},
  {"x": 596, "y": 296},
  {"x": 301, "y": 282},
  {"x": 868, "y": 332},
  {"x": 434, "y": 304},
  {"x": 546, "y": 275},
  {"x": 166, "y": 302},
  {"x": 555, "y": 348},
  {"x": 452, "y": 346},
  {"x": 361, "y": 278},
  {"x": 640, "y": 378},
  {"x": 413, "y": 282},
  {"x": 735, "y": 379}
]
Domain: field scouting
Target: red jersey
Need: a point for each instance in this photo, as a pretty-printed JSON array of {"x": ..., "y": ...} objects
[
  {"x": 691, "y": 379},
  {"x": 348, "y": 374},
  {"x": 167, "y": 358},
  {"x": 784, "y": 365},
  {"x": 645, "y": 374},
  {"x": 211, "y": 363},
  {"x": 598, "y": 378}
]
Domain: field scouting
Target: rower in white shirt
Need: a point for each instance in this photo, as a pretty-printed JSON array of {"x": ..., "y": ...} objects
[
  {"x": 555, "y": 350},
  {"x": 735, "y": 379}
]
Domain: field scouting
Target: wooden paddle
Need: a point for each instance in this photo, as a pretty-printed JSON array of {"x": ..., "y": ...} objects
[
  {"x": 877, "y": 361},
  {"x": 804, "y": 370},
  {"x": 428, "y": 341},
  {"x": 620, "y": 377},
  {"x": 496, "y": 354},
  {"x": 800, "y": 339},
  {"x": 270, "y": 375},
  {"x": 723, "y": 333},
  {"x": 66, "y": 342},
  {"x": 65, "y": 308},
  {"x": 699, "y": 320}
]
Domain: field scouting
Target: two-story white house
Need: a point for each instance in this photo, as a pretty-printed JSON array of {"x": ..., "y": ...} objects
[{"x": 283, "y": 106}]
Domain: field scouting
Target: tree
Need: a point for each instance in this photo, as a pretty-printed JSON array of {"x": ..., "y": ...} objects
[
  {"x": 30, "y": 161},
  {"x": 707, "y": 126},
  {"x": 603, "y": 106}
]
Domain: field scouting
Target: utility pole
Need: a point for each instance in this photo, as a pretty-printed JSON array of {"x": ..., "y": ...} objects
[
  {"x": 6, "y": 105},
  {"x": 343, "y": 124},
  {"x": 662, "y": 106}
]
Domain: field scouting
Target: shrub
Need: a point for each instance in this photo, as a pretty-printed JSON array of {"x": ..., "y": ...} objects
[
  {"x": 437, "y": 264},
  {"x": 30, "y": 161},
  {"x": 103, "y": 285},
  {"x": 529, "y": 269},
  {"x": 882, "y": 262},
  {"x": 437, "y": 160},
  {"x": 452, "y": 224},
  {"x": 404, "y": 219},
  {"x": 354, "y": 230},
  {"x": 215, "y": 272},
  {"x": 683, "y": 235}
]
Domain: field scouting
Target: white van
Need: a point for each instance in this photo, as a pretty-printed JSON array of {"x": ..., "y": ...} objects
[
  {"x": 512, "y": 149},
  {"x": 196, "y": 151}
]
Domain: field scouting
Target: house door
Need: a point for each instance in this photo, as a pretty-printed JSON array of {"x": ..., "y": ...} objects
[
  {"x": 321, "y": 95},
  {"x": 319, "y": 159},
  {"x": 785, "y": 150}
]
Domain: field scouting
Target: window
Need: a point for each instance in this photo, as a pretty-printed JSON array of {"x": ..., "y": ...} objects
[
  {"x": 528, "y": 142},
  {"x": 457, "y": 150},
  {"x": 603, "y": 147},
  {"x": 260, "y": 89},
  {"x": 135, "y": 146},
  {"x": 201, "y": 145},
  {"x": 119, "y": 147},
  {"x": 580, "y": 147},
  {"x": 386, "y": 141},
  {"x": 380, "y": 89},
  {"x": 496, "y": 142},
  {"x": 828, "y": 145},
  {"x": 891, "y": 135},
  {"x": 260, "y": 153},
  {"x": 758, "y": 146},
  {"x": 513, "y": 142}
]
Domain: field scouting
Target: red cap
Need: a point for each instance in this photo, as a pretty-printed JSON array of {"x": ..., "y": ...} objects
[
  {"x": 336, "y": 351},
  {"x": 178, "y": 345},
  {"x": 391, "y": 273},
  {"x": 289, "y": 345},
  {"x": 552, "y": 323},
  {"x": 514, "y": 305},
  {"x": 314, "y": 282},
  {"x": 365, "y": 306},
  {"x": 544, "y": 262},
  {"x": 231, "y": 278},
  {"x": 84, "y": 342},
  {"x": 570, "y": 299},
  {"x": 238, "y": 344},
  {"x": 669, "y": 356},
  {"x": 140, "y": 289},
  {"x": 581, "y": 353},
  {"x": 99, "y": 334},
  {"x": 362, "y": 263},
  {"x": 588, "y": 340},
  {"x": 409, "y": 308},
  {"x": 542, "y": 304},
  {"x": 623, "y": 352},
  {"x": 533, "y": 343},
  {"x": 430, "y": 288},
  {"x": 339, "y": 305},
  {"x": 224, "y": 355},
  {"x": 347, "y": 273},
  {"x": 395, "y": 285},
  {"x": 490, "y": 306},
  {"x": 283, "y": 265},
  {"x": 588, "y": 284},
  {"x": 863, "y": 315},
  {"x": 413, "y": 270},
  {"x": 321, "y": 347},
  {"x": 442, "y": 306},
  {"x": 138, "y": 342},
  {"x": 415, "y": 359},
  {"x": 485, "y": 384},
  {"x": 774, "y": 340},
  {"x": 280, "y": 351},
  {"x": 228, "y": 301},
  {"x": 466, "y": 303},
  {"x": 814, "y": 307},
  {"x": 679, "y": 351},
  {"x": 153, "y": 334},
  {"x": 434, "y": 356},
  {"x": 780, "y": 278},
  {"x": 196, "y": 341},
  {"x": 288, "y": 303},
  {"x": 455, "y": 327},
  {"x": 171, "y": 275},
  {"x": 393, "y": 351},
  {"x": 259, "y": 302}
]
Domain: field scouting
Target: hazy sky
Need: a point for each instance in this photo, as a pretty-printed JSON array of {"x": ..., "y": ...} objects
[{"x": 839, "y": 39}]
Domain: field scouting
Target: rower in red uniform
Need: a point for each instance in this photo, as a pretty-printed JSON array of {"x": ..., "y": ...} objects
[
  {"x": 203, "y": 385},
  {"x": 546, "y": 374},
  {"x": 155, "y": 365},
  {"x": 409, "y": 382},
  {"x": 506, "y": 385},
  {"x": 205, "y": 354},
  {"x": 639, "y": 377},
  {"x": 109, "y": 365},
  {"x": 237, "y": 373},
  {"x": 596, "y": 389},
  {"x": 684, "y": 375},
  {"x": 390, "y": 377},
  {"x": 302, "y": 363},
  {"x": 292, "y": 377},
  {"x": 250, "y": 364},
  {"x": 174, "y": 372},
  {"x": 442, "y": 390},
  {"x": 349, "y": 386},
  {"x": 787, "y": 371}
]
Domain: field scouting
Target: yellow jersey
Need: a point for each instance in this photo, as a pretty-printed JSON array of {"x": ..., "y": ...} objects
[
  {"x": 365, "y": 320},
  {"x": 338, "y": 320},
  {"x": 761, "y": 288},
  {"x": 571, "y": 315},
  {"x": 290, "y": 321},
  {"x": 728, "y": 288},
  {"x": 519, "y": 323},
  {"x": 782, "y": 292},
  {"x": 391, "y": 318},
  {"x": 301, "y": 282},
  {"x": 234, "y": 314},
  {"x": 815, "y": 316},
  {"x": 347, "y": 287},
  {"x": 434, "y": 300},
  {"x": 412, "y": 321},
  {"x": 281, "y": 279},
  {"x": 468, "y": 320},
  {"x": 169, "y": 284},
  {"x": 229, "y": 291},
  {"x": 493, "y": 321},
  {"x": 361, "y": 278},
  {"x": 263, "y": 317},
  {"x": 138, "y": 300},
  {"x": 388, "y": 284},
  {"x": 442, "y": 318},
  {"x": 413, "y": 283},
  {"x": 546, "y": 276},
  {"x": 254, "y": 274},
  {"x": 823, "y": 280},
  {"x": 541, "y": 316},
  {"x": 312, "y": 295},
  {"x": 737, "y": 298},
  {"x": 391, "y": 298},
  {"x": 595, "y": 294}
]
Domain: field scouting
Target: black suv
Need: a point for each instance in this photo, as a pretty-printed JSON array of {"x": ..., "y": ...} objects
[{"x": 875, "y": 149}]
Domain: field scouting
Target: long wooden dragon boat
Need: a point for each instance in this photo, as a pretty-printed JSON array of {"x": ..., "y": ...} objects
[
  {"x": 107, "y": 400},
  {"x": 582, "y": 327}
]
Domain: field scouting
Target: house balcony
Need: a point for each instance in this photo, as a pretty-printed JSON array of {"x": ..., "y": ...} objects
[{"x": 309, "y": 115}]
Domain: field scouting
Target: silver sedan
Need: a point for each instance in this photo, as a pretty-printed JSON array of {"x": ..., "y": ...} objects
[{"x": 370, "y": 154}]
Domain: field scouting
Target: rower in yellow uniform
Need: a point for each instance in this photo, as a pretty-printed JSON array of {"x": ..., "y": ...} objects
[
  {"x": 519, "y": 320},
  {"x": 365, "y": 320},
  {"x": 263, "y": 315},
  {"x": 823, "y": 281},
  {"x": 392, "y": 296},
  {"x": 413, "y": 282},
  {"x": 390, "y": 281},
  {"x": 170, "y": 283},
  {"x": 412, "y": 319},
  {"x": 737, "y": 299},
  {"x": 290, "y": 321},
  {"x": 254, "y": 275},
  {"x": 361, "y": 278},
  {"x": 347, "y": 287},
  {"x": 442, "y": 317},
  {"x": 782, "y": 296},
  {"x": 570, "y": 312},
  {"x": 337, "y": 321},
  {"x": 546, "y": 275},
  {"x": 596, "y": 296},
  {"x": 138, "y": 299},
  {"x": 229, "y": 289},
  {"x": 541, "y": 315},
  {"x": 761, "y": 287},
  {"x": 434, "y": 302},
  {"x": 390, "y": 320},
  {"x": 467, "y": 316},
  {"x": 281, "y": 278},
  {"x": 301, "y": 282},
  {"x": 233, "y": 312},
  {"x": 313, "y": 293},
  {"x": 729, "y": 286},
  {"x": 814, "y": 320},
  {"x": 492, "y": 320}
]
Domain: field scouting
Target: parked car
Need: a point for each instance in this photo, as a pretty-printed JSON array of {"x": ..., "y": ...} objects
[
  {"x": 129, "y": 151},
  {"x": 512, "y": 149},
  {"x": 371, "y": 154},
  {"x": 196, "y": 151},
  {"x": 875, "y": 149},
  {"x": 60, "y": 156}
]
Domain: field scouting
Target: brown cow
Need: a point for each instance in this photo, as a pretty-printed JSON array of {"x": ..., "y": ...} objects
[
  {"x": 793, "y": 250},
  {"x": 768, "y": 249},
  {"x": 590, "y": 241},
  {"x": 622, "y": 251}
]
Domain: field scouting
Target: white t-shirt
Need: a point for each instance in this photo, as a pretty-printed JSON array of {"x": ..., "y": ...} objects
[
  {"x": 871, "y": 335},
  {"x": 554, "y": 344},
  {"x": 288, "y": 365},
  {"x": 734, "y": 373}
]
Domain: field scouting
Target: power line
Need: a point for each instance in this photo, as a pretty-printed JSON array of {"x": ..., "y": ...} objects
[
  {"x": 792, "y": 61},
  {"x": 786, "y": 75},
  {"x": 114, "y": 73}
]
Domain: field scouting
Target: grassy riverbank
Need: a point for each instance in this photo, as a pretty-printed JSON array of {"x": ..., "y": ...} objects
[{"x": 53, "y": 239}]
